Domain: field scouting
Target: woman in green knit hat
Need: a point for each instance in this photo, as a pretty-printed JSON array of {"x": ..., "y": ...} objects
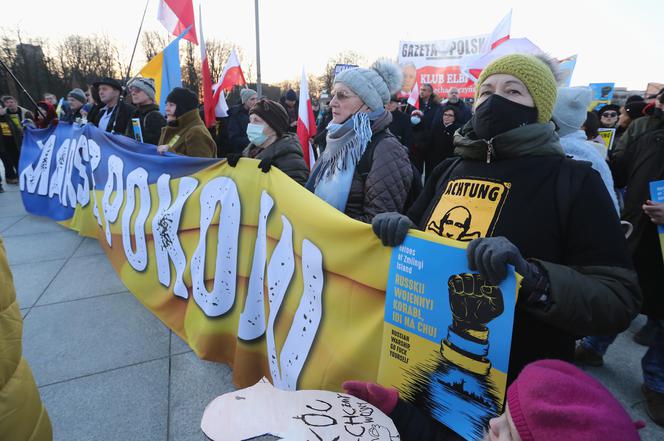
[{"x": 517, "y": 200}]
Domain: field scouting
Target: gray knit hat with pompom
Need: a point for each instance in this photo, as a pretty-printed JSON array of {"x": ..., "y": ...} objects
[{"x": 373, "y": 85}]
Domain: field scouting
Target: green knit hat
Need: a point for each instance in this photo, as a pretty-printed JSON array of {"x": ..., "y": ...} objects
[{"x": 534, "y": 73}]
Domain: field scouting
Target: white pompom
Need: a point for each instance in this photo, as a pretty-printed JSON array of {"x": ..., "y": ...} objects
[{"x": 390, "y": 73}]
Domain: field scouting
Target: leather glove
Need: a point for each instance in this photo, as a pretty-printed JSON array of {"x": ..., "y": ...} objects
[
  {"x": 491, "y": 255},
  {"x": 233, "y": 159},
  {"x": 391, "y": 228},
  {"x": 265, "y": 164},
  {"x": 383, "y": 398}
]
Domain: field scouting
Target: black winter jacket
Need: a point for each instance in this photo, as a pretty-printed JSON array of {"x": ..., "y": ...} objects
[
  {"x": 637, "y": 160},
  {"x": 151, "y": 123},
  {"x": 238, "y": 120},
  {"x": 557, "y": 212},
  {"x": 402, "y": 128},
  {"x": 285, "y": 154},
  {"x": 123, "y": 112}
]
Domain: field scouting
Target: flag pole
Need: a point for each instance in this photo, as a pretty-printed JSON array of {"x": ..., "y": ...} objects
[
  {"x": 123, "y": 93},
  {"x": 34, "y": 103},
  {"x": 259, "y": 87}
]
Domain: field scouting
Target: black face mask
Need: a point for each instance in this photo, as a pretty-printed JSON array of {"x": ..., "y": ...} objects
[{"x": 497, "y": 115}]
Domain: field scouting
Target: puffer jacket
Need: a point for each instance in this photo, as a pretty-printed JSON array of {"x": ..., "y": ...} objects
[
  {"x": 388, "y": 183},
  {"x": 285, "y": 154},
  {"x": 22, "y": 414},
  {"x": 188, "y": 136}
]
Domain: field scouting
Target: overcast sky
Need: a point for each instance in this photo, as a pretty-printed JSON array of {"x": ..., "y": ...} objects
[{"x": 616, "y": 40}]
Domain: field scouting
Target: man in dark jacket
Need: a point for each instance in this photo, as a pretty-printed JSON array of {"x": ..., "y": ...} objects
[
  {"x": 291, "y": 104},
  {"x": 112, "y": 117},
  {"x": 463, "y": 111},
  {"x": 147, "y": 112},
  {"x": 76, "y": 99},
  {"x": 422, "y": 120},
  {"x": 11, "y": 115},
  {"x": 637, "y": 160},
  {"x": 400, "y": 125},
  {"x": 238, "y": 119}
]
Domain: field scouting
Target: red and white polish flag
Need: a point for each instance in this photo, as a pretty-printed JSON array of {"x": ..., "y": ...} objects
[
  {"x": 306, "y": 123},
  {"x": 414, "y": 97},
  {"x": 177, "y": 16},
  {"x": 208, "y": 98},
  {"x": 231, "y": 76}
]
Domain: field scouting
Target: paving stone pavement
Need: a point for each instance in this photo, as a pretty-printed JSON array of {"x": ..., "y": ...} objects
[{"x": 107, "y": 369}]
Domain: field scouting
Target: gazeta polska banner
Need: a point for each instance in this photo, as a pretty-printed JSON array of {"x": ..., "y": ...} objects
[
  {"x": 249, "y": 268},
  {"x": 439, "y": 62}
]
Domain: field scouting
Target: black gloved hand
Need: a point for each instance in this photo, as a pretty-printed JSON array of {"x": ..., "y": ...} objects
[
  {"x": 265, "y": 164},
  {"x": 491, "y": 255},
  {"x": 391, "y": 228},
  {"x": 233, "y": 159}
]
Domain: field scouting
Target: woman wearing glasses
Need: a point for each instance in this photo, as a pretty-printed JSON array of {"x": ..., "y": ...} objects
[{"x": 364, "y": 169}]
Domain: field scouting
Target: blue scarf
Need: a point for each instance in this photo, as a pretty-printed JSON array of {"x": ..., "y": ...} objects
[{"x": 333, "y": 173}]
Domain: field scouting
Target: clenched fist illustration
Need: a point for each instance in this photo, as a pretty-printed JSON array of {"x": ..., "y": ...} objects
[{"x": 473, "y": 301}]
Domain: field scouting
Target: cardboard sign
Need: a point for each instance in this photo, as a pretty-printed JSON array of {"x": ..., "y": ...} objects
[
  {"x": 608, "y": 135},
  {"x": 307, "y": 414}
]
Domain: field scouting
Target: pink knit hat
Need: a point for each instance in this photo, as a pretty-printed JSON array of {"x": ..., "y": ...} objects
[{"x": 553, "y": 400}]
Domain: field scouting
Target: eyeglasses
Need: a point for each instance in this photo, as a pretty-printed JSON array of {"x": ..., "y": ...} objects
[
  {"x": 342, "y": 96},
  {"x": 609, "y": 114}
]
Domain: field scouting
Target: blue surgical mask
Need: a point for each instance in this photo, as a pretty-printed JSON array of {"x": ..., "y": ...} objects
[
  {"x": 255, "y": 134},
  {"x": 415, "y": 120}
]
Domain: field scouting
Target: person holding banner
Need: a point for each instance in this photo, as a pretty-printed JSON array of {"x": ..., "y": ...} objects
[
  {"x": 185, "y": 132},
  {"x": 516, "y": 199},
  {"x": 364, "y": 169},
  {"x": 146, "y": 118},
  {"x": 76, "y": 99},
  {"x": 112, "y": 117},
  {"x": 272, "y": 143}
]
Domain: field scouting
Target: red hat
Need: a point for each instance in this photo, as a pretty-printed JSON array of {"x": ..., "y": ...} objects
[{"x": 553, "y": 400}]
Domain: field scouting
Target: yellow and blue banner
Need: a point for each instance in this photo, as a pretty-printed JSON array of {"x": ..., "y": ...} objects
[
  {"x": 164, "y": 69},
  {"x": 248, "y": 268},
  {"x": 253, "y": 270}
]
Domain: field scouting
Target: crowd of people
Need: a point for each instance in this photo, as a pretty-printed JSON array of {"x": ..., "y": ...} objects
[{"x": 575, "y": 217}]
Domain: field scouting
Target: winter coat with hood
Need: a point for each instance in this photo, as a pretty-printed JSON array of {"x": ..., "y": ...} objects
[
  {"x": 238, "y": 120},
  {"x": 22, "y": 414},
  {"x": 188, "y": 136},
  {"x": 286, "y": 154},
  {"x": 151, "y": 121},
  {"x": 385, "y": 188},
  {"x": 637, "y": 160},
  {"x": 557, "y": 212},
  {"x": 578, "y": 147}
]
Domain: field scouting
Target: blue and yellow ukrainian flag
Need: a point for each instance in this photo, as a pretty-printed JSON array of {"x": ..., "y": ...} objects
[{"x": 164, "y": 69}]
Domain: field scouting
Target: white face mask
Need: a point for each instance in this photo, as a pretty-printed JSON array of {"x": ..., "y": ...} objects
[{"x": 255, "y": 134}]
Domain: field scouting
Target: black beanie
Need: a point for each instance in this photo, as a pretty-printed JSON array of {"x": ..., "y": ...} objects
[
  {"x": 273, "y": 114},
  {"x": 184, "y": 99},
  {"x": 634, "y": 109}
]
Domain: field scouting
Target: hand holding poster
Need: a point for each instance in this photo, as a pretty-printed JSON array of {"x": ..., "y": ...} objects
[
  {"x": 657, "y": 196},
  {"x": 447, "y": 336}
]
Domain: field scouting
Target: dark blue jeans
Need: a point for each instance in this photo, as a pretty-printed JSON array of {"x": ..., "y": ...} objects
[{"x": 653, "y": 362}]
